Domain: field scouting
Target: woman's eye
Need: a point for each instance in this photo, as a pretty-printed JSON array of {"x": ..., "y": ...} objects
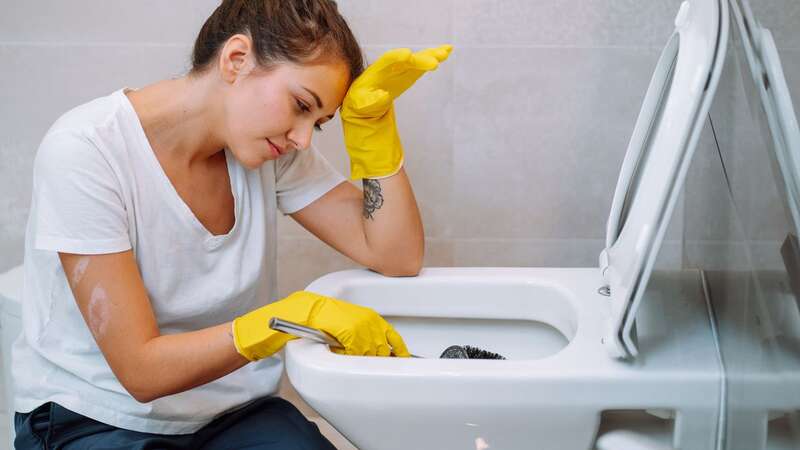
[{"x": 303, "y": 107}]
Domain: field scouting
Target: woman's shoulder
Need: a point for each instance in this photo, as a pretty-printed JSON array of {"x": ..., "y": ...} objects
[
  {"x": 85, "y": 131},
  {"x": 89, "y": 116}
]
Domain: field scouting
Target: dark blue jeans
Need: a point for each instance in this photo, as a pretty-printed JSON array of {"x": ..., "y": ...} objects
[{"x": 270, "y": 423}]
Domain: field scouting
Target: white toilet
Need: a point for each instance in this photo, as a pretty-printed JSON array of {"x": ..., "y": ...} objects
[
  {"x": 10, "y": 327},
  {"x": 575, "y": 360}
]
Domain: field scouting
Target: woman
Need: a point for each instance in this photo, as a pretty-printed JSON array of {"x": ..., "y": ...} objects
[{"x": 150, "y": 247}]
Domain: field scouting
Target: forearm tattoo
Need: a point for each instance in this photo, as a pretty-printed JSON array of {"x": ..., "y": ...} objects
[{"x": 373, "y": 198}]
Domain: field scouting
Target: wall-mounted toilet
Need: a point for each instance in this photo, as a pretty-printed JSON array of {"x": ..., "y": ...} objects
[{"x": 575, "y": 357}]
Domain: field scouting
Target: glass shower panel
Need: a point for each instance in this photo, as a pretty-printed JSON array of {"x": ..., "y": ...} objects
[{"x": 739, "y": 229}]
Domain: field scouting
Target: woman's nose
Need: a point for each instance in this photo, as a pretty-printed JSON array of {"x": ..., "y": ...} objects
[{"x": 300, "y": 135}]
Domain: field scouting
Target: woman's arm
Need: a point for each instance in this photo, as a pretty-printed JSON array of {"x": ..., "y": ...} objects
[
  {"x": 114, "y": 303},
  {"x": 379, "y": 228}
]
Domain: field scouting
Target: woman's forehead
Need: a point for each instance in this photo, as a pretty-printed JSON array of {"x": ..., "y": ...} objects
[{"x": 327, "y": 82}]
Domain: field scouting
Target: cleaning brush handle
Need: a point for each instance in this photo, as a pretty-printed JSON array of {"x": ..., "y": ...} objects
[{"x": 295, "y": 329}]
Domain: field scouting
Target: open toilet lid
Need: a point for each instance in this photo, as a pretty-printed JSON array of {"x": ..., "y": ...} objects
[{"x": 657, "y": 159}]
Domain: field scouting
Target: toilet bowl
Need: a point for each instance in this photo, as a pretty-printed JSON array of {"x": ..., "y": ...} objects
[
  {"x": 10, "y": 327},
  {"x": 550, "y": 391},
  {"x": 577, "y": 340}
]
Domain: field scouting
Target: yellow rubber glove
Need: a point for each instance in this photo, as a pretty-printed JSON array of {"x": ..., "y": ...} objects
[
  {"x": 370, "y": 131},
  {"x": 361, "y": 330}
]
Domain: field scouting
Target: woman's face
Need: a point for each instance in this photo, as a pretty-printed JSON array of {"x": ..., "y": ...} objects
[{"x": 270, "y": 113}]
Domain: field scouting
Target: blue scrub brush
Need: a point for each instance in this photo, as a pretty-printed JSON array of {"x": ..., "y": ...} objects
[{"x": 452, "y": 352}]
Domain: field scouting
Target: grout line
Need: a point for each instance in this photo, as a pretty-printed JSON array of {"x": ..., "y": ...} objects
[
  {"x": 91, "y": 44},
  {"x": 364, "y": 46},
  {"x": 528, "y": 240},
  {"x": 518, "y": 46}
]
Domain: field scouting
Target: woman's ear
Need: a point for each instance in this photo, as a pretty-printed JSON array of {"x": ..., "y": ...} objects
[{"x": 236, "y": 58}]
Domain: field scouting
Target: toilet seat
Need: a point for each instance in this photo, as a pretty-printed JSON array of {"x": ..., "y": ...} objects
[{"x": 656, "y": 162}]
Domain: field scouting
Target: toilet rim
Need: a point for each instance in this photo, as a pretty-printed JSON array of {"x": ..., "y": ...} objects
[
  {"x": 572, "y": 297},
  {"x": 575, "y": 286}
]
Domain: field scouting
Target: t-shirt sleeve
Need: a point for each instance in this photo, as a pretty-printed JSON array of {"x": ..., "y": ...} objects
[
  {"x": 77, "y": 201},
  {"x": 302, "y": 177}
]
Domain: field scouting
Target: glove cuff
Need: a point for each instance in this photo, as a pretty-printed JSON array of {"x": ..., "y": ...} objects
[
  {"x": 393, "y": 173},
  {"x": 257, "y": 343}
]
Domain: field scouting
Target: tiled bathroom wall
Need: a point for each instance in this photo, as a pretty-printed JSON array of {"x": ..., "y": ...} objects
[{"x": 513, "y": 145}]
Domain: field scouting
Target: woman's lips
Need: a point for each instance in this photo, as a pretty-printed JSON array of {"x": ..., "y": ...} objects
[{"x": 275, "y": 149}]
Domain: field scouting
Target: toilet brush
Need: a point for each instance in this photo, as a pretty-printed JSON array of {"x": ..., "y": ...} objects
[
  {"x": 468, "y": 352},
  {"x": 452, "y": 352}
]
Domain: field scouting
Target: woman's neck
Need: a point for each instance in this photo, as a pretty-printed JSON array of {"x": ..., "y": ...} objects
[{"x": 180, "y": 119}]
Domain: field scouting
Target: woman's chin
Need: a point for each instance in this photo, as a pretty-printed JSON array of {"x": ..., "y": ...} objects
[
  {"x": 251, "y": 160},
  {"x": 254, "y": 162}
]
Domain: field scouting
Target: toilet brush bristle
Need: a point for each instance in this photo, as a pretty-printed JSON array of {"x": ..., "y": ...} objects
[
  {"x": 468, "y": 352},
  {"x": 479, "y": 353}
]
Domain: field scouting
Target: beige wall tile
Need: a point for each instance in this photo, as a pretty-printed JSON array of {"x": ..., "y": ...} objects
[
  {"x": 399, "y": 24},
  {"x": 46, "y": 81},
  {"x": 595, "y": 23},
  {"x": 99, "y": 21},
  {"x": 540, "y": 138},
  {"x": 782, "y": 18},
  {"x": 302, "y": 260},
  {"x": 527, "y": 252}
]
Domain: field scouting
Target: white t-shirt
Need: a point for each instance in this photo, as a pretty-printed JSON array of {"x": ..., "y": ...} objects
[{"x": 98, "y": 188}]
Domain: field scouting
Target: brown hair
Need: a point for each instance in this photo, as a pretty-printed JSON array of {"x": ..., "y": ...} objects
[{"x": 296, "y": 31}]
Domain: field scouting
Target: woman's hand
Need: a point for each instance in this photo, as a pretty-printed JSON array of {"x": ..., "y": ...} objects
[
  {"x": 370, "y": 132},
  {"x": 361, "y": 330}
]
